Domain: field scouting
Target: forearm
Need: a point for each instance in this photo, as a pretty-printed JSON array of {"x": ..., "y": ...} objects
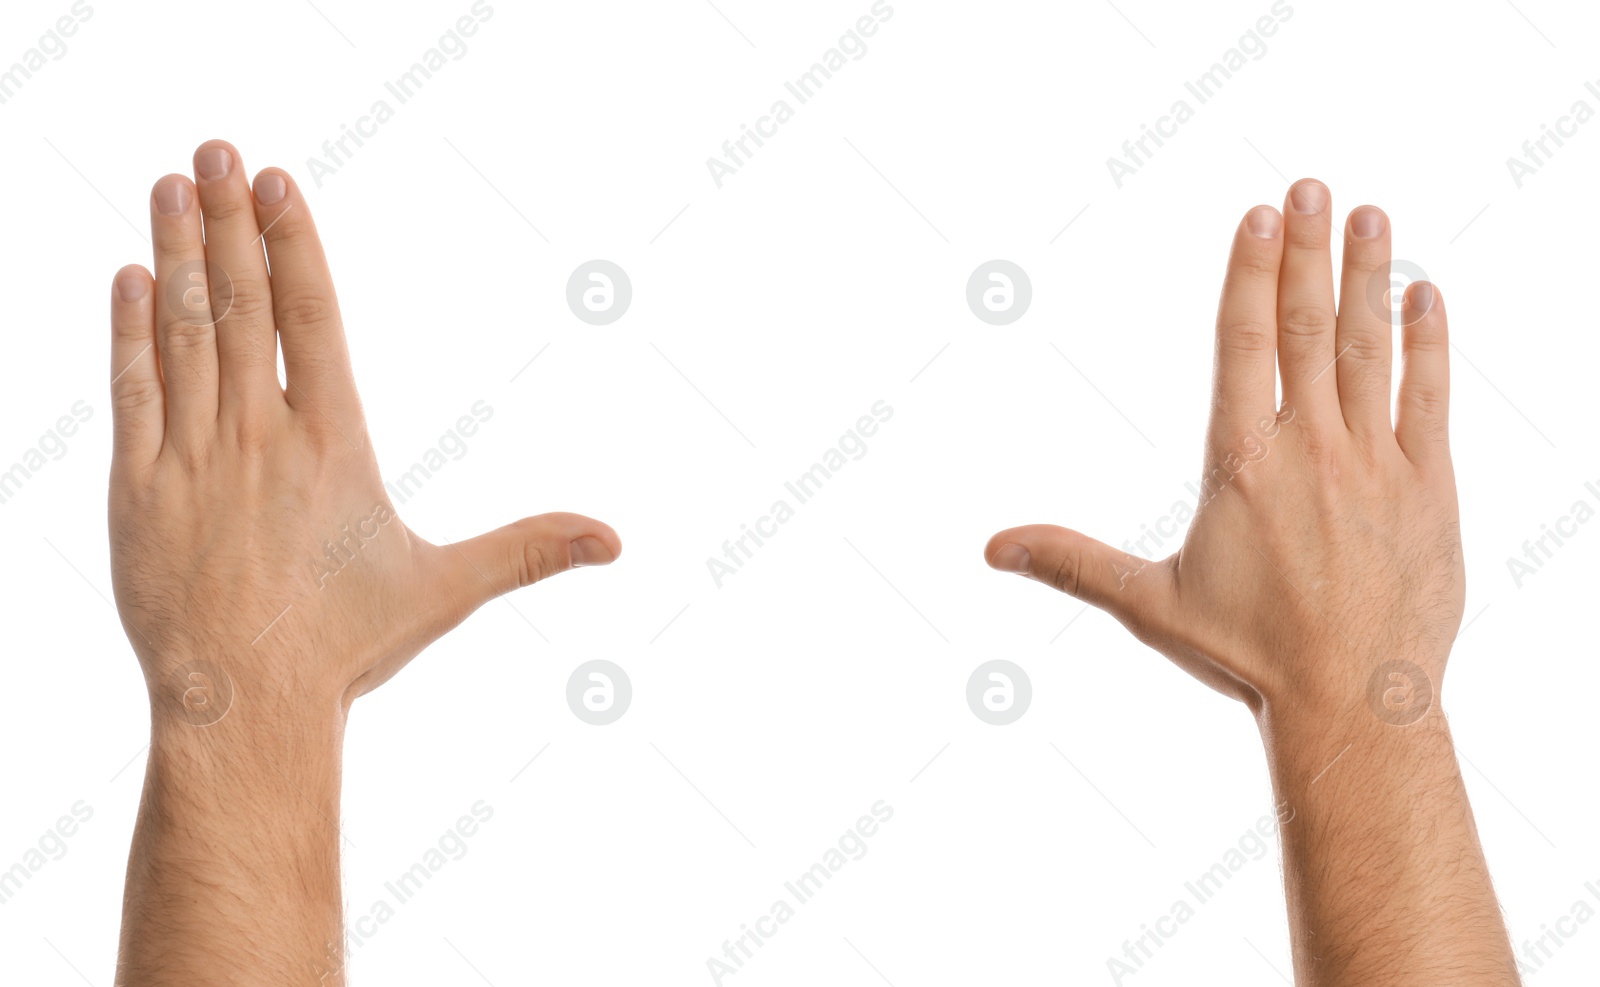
[
  {"x": 233, "y": 877},
  {"x": 1385, "y": 878}
]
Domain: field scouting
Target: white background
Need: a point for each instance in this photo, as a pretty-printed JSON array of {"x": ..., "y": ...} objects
[{"x": 768, "y": 315}]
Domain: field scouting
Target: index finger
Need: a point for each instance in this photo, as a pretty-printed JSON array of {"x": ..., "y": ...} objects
[
  {"x": 315, "y": 358},
  {"x": 1244, "y": 385}
]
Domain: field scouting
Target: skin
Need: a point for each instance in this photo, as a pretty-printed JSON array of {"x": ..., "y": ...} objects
[
  {"x": 228, "y": 492},
  {"x": 1327, "y": 544}
]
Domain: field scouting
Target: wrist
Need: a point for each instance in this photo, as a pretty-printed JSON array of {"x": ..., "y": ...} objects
[
  {"x": 1332, "y": 745},
  {"x": 285, "y": 761},
  {"x": 1332, "y": 691},
  {"x": 237, "y": 700},
  {"x": 214, "y": 728}
]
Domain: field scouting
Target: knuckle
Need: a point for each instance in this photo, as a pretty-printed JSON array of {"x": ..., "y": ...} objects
[
  {"x": 1305, "y": 321},
  {"x": 252, "y": 297},
  {"x": 1436, "y": 429},
  {"x": 1424, "y": 339},
  {"x": 1321, "y": 452},
  {"x": 227, "y": 207},
  {"x": 1245, "y": 337},
  {"x": 132, "y": 396},
  {"x": 176, "y": 252},
  {"x": 253, "y": 436},
  {"x": 1364, "y": 258},
  {"x": 1311, "y": 235},
  {"x": 179, "y": 336},
  {"x": 1364, "y": 348},
  {"x": 534, "y": 563},
  {"x": 1363, "y": 387},
  {"x": 133, "y": 331},
  {"x": 251, "y": 338},
  {"x": 331, "y": 442},
  {"x": 289, "y": 232},
  {"x": 1066, "y": 573},
  {"x": 305, "y": 307},
  {"x": 310, "y": 361},
  {"x": 193, "y": 453},
  {"x": 1256, "y": 266},
  {"x": 1428, "y": 401},
  {"x": 1227, "y": 472},
  {"x": 1248, "y": 481}
]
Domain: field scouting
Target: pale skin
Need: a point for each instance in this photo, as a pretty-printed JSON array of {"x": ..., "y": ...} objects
[
  {"x": 251, "y": 531},
  {"x": 1327, "y": 545}
]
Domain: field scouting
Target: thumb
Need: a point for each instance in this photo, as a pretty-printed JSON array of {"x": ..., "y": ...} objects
[
  {"x": 1135, "y": 591},
  {"x": 522, "y": 553}
]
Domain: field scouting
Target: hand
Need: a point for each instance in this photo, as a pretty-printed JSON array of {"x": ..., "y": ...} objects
[
  {"x": 250, "y": 528},
  {"x": 1326, "y": 542}
]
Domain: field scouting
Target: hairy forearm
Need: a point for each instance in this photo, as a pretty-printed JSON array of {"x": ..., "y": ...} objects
[
  {"x": 233, "y": 877},
  {"x": 1385, "y": 878}
]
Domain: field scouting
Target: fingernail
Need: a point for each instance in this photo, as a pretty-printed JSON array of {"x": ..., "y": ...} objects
[
  {"x": 589, "y": 551},
  {"x": 213, "y": 163},
  {"x": 1366, "y": 222},
  {"x": 130, "y": 287},
  {"x": 270, "y": 189},
  {"x": 1419, "y": 299},
  {"x": 172, "y": 197},
  {"x": 1309, "y": 198},
  {"x": 1012, "y": 558},
  {"x": 1264, "y": 222}
]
